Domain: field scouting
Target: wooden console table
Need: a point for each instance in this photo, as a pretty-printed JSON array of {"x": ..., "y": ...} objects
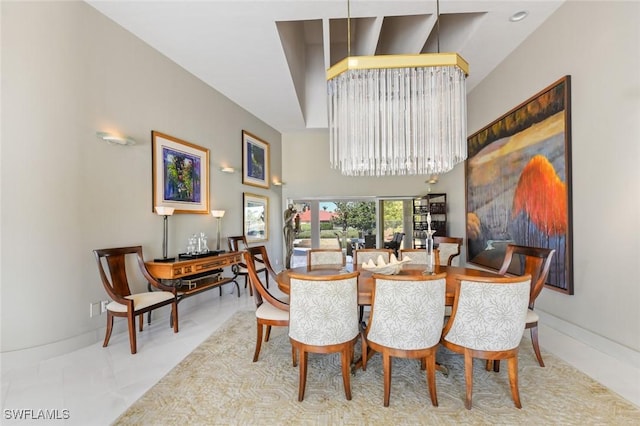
[{"x": 200, "y": 274}]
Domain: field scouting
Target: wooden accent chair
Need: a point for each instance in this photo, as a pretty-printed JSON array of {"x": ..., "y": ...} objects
[
  {"x": 239, "y": 243},
  {"x": 536, "y": 262},
  {"x": 449, "y": 250},
  {"x": 323, "y": 318},
  {"x": 363, "y": 255},
  {"x": 326, "y": 257},
  {"x": 270, "y": 310},
  {"x": 486, "y": 322},
  {"x": 407, "y": 315},
  {"x": 124, "y": 302}
]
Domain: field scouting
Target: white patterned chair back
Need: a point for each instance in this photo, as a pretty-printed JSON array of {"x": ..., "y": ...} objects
[
  {"x": 323, "y": 313},
  {"x": 325, "y": 257},
  {"x": 490, "y": 316},
  {"x": 448, "y": 249},
  {"x": 418, "y": 257},
  {"x": 407, "y": 314},
  {"x": 363, "y": 256}
]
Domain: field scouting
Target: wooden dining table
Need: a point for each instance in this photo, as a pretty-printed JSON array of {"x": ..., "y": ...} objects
[{"x": 365, "y": 279}]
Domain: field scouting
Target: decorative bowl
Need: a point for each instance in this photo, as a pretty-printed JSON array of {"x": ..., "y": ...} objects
[{"x": 391, "y": 268}]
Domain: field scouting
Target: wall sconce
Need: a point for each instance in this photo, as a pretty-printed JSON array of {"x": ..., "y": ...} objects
[
  {"x": 166, "y": 212},
  {"x": 218, "y": 214},
  {"x": 278, "y": 183},
  {"x": 227, "y": 169},
  {"x": 115, "y": 139}
]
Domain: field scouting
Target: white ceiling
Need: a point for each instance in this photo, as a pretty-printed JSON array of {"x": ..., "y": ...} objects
[{"x": 270, "y": 57}]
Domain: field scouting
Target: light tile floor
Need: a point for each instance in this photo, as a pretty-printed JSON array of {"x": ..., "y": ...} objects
[{"x": 97, "y": 384}]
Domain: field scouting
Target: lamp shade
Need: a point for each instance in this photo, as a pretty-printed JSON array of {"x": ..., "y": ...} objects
[
  {"x": 164, "y": 211},
  {"x": 217, "y": 213}
]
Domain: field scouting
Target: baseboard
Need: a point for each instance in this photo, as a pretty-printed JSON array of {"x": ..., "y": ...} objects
[
  {"x": 26, "y": 357},
  {"x": 600, "y": 343}
]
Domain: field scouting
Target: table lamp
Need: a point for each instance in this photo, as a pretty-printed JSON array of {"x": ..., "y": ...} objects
[
  {"x": 218, "y": 214},
  {"x": 166, "y": 212}
]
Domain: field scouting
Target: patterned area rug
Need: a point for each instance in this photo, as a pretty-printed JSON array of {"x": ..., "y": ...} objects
[{"x": 218, "y": 384}]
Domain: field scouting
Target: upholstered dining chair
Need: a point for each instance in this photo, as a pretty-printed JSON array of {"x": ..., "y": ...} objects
[
  {"x": 486, "y": 322},
  {"x": 535, "y": 261},
  {"x": 325, "y": 257},
  {"x": 125, "y": 303},
  {"x": 363, "y": 255},
  {"x": 323, "y": 318},
  {"x": 407, "y": 314},
  {"x": 418, "y": 256},
  {"x": 270, "y": 309},
  {"x": 239, "y": 243},
  {"x": 448, "y": 249}
]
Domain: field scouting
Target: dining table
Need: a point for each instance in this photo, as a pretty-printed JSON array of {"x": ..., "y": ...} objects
[{"x": 365, "y": 279}]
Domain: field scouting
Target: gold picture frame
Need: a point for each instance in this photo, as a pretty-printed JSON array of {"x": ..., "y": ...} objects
[
  {"x": 255, "y": 217},
  {"x": 255, "y": 161},
  {"x": 180, "y": 174}
]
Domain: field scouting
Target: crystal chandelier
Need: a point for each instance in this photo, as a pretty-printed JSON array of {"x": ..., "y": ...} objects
[{"x": 397, "y": 114}]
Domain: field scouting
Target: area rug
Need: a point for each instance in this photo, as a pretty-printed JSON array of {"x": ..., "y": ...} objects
[{"x": 218, "y": 384}]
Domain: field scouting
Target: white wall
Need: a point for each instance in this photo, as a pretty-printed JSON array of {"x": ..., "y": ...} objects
[
  {"x": 597, "y": 43},
  {"x": 67, "y": 72},
  {"x": 603, "y": 61}
]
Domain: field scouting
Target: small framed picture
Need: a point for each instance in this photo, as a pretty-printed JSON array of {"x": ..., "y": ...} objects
[
  {"x": 255, "y": 161},
  {"x": 180, "y": 174},
  {"x": 255, "y": 217}
]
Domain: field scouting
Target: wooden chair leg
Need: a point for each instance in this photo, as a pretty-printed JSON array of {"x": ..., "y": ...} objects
[
  {"x": 256, "y": 353},
  {"x": 246, "y": 283},
  {"x": 346, "y": 370},
  {"x": 365, "y": 355},
  {"x": 468, "y": 377},
  {"x": 174, "y": 314},
  {"x": 267, "y": 334},
  {"x": 107, "y": 336},
  {"x": 131, "y": 320},
  {"x": 536, "y": 346},
  {"x": 303, "y": 374},
  {"x": 294, "y": 356},
  {"x": 386, "y": 368},
  {"x": 141, "y": 321},
  {"x": 430, "y": 360},
  {"x": 513, "y": 380}
]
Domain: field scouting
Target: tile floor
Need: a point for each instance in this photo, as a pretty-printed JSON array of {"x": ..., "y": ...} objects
[{"x": 97, "y": 384}]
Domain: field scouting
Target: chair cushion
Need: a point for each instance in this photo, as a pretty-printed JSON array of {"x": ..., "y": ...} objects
[
  {"x": 270, "y": 312},
  {"x": 532, "y": 316},
  {"x": 242, "y": 270},
  {"x": 141, "y": 300}
]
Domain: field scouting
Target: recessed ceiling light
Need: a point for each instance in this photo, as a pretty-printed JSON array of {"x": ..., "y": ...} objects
[{"x": 519, "y": 16}]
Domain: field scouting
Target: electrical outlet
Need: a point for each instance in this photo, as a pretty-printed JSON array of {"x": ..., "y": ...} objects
[
  {"x": 103, "y": 306},
  {"x": 94, "y": 309}
]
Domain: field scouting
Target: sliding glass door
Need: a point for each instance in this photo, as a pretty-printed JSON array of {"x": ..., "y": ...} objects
[{"x": 349, "y": 224}]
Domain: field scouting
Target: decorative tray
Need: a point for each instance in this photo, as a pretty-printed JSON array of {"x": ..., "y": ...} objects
[{"x": 199, "y": 255}]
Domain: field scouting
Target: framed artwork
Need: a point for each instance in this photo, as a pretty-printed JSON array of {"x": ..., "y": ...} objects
[
  {"x": 255, "y": 161},
  {"x": 255, "y": 217},
  {"x": 180, "y": 174},
  {"x": 518, "y": 184}
]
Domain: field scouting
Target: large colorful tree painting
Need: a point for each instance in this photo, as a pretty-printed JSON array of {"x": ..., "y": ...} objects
[{"x": 518, "y": 183}]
